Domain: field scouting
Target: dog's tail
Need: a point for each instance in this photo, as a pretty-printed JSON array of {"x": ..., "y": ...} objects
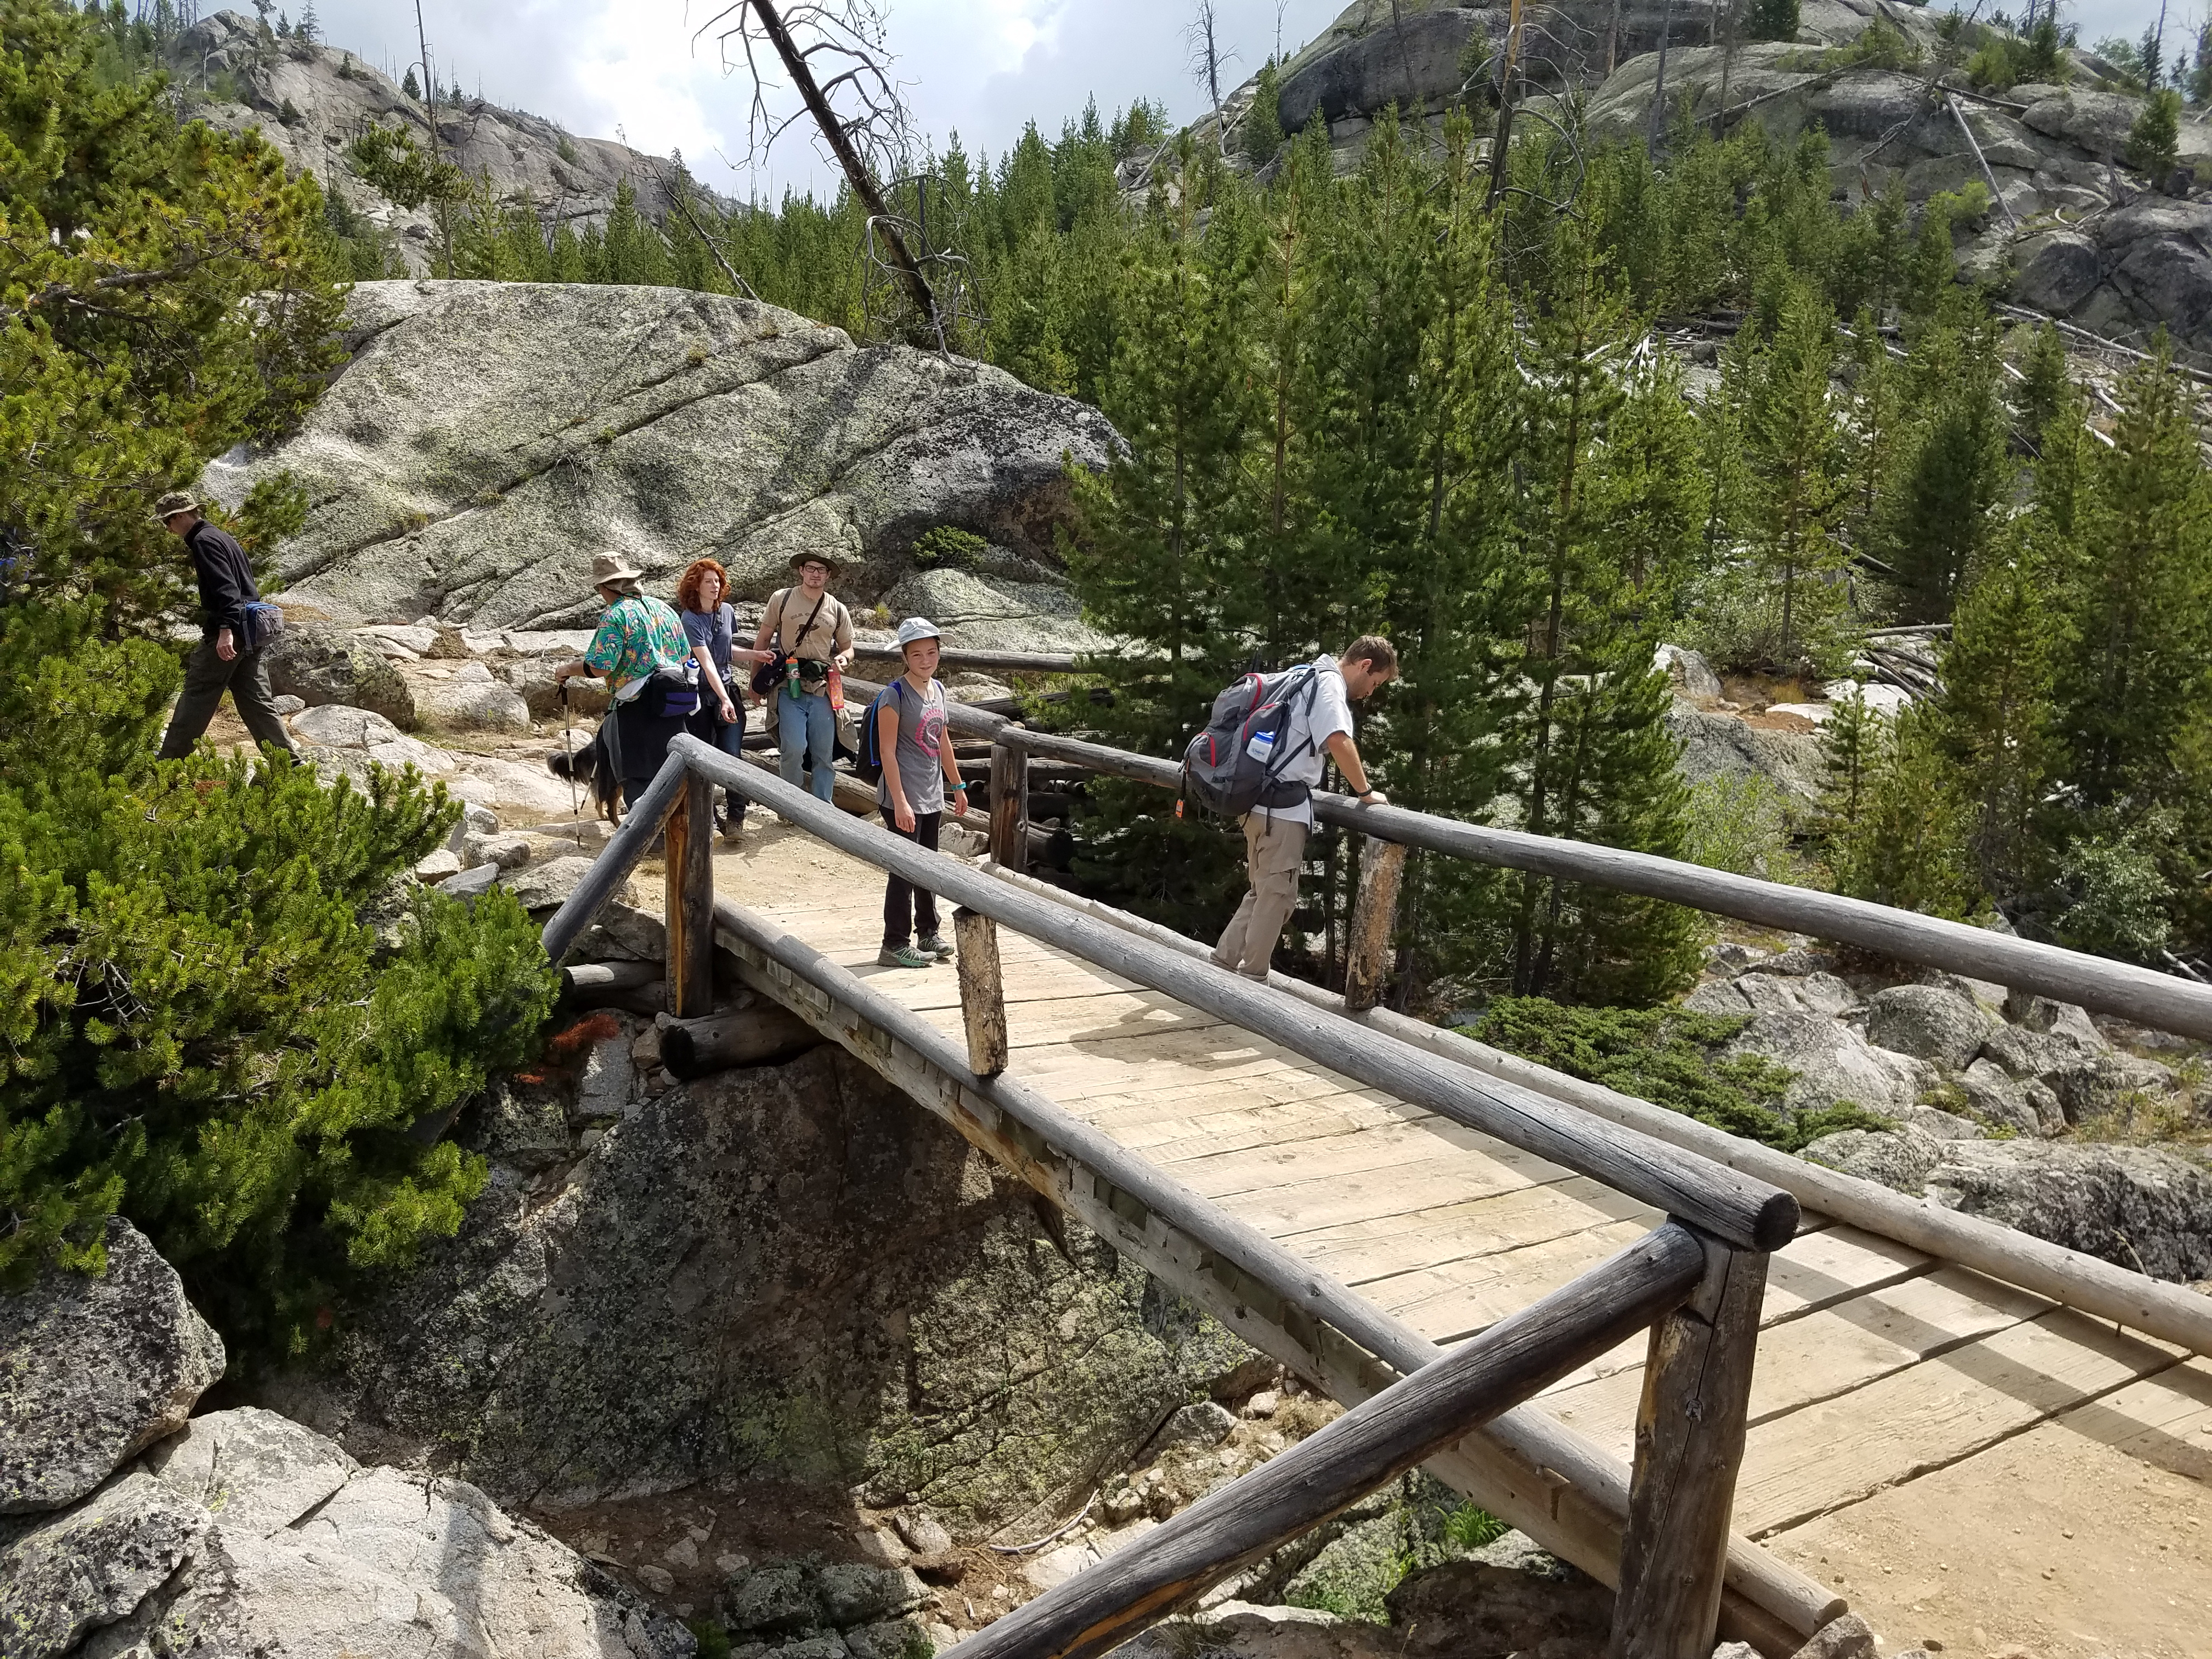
[{"x": 565, "y": 765}]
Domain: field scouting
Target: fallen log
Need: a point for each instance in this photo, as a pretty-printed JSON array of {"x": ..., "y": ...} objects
[{"x": 744, "y": 1036}]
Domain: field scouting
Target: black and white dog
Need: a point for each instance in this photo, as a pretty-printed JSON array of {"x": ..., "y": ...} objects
[{"x": 593, "y": 766}]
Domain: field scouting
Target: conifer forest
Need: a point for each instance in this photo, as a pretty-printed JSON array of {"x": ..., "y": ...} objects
[{"x": 1417, "y": 398}]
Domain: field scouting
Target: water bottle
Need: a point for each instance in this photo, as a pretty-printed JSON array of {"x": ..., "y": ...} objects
[{"x": 1261, "y": 747}]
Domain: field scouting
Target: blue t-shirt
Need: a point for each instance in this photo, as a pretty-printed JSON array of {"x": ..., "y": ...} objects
[{"x": 711, "y": 632}]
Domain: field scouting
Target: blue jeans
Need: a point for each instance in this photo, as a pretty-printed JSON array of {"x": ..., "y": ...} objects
[{"x": 805, "y": 725}]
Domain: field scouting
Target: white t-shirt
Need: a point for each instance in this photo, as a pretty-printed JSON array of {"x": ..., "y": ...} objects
[{"x": 1306, "y": 733}]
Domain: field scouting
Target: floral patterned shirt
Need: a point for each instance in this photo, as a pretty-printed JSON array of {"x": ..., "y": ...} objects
[{"x": 634, "y": 638}]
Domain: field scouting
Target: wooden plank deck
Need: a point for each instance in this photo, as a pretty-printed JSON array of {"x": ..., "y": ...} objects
[{"x": 1877, "y": 1367}]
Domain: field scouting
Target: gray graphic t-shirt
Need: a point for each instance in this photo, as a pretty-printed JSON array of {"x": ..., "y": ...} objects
[{"x": 921, "y": 744}]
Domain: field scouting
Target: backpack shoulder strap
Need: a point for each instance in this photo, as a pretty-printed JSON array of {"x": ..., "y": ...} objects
[{"x": 775, "y": 607}]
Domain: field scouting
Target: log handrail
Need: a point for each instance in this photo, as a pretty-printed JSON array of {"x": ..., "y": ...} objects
[
  {"x": 1170, "y": 1566},
  {"x": 1749, "y": 1213},
  {"x": 2173, "y": 1313},
  {"x": 2160, "y": 1001}
]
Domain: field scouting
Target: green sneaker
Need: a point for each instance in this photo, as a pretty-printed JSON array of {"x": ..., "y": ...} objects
[
  {"x": 934, "y": 945},
  {"x": 905, "y": 956}
]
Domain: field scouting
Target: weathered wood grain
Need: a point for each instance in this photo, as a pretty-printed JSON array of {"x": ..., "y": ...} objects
[
  {"x": 982, "y": 995},
  {"x": 1382, "y": 867}
]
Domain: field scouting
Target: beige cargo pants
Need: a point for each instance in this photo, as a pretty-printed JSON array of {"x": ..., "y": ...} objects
[{"x": 1274, "y": 848}]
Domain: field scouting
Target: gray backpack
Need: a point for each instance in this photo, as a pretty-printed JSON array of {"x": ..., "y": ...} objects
[{"x": 1235, "y": 764}]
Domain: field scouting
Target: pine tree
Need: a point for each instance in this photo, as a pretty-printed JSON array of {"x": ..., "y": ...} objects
[
  {"x": 2154, "y": 140},
  {"x": 1153, "y": 552},
  {"x": 1792, "y": 451},
  {"x": 2139, "y": 601},
  {"x": 1260, "y": 133},
  {"x": 1906, "y": 845},
  {"x": 1871, "y": 441},
  {"x": 1771, "y": 19},
  {"x": 184, "y": 302},
  {"x": 2044, "y": 391},
  {"x": 1591, "y": 755},
  {"x": 1997, "y": 712},
  {"x": 411, "y": 87},
  {"x": 1954, "y": 466}
]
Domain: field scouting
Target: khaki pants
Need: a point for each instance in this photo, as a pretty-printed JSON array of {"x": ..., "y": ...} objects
[{"x": 1274, "y": 848}]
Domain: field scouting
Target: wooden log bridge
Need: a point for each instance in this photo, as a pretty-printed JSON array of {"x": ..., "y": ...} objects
[{"x": 1666, "y": 1354}]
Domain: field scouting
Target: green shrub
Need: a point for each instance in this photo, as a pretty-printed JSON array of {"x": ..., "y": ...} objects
[
  {"x": 390, "y": 158},
  {"x": 1740, "y": 823},
  {"x": 947, "y": 549},
  {"x": 1470, "y": 1527},
  {"x": 1670, "y": 1057},
  {"x": 1771, "y": 20},
  {"x": 2115, "y": 900},
  {"x": 2155, "y": 139},
  {"x": 221, "y": 1013}
]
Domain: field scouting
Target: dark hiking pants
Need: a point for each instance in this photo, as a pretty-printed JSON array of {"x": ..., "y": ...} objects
[
  {"x": 207, "y": 676},
  {"x": 910, "y": 912}
]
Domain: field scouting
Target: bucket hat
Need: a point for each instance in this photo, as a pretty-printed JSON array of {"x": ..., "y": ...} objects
[
  {"x": 612, "y": 570},
  {"x": 836, "y": 566},
  {"x": 916, "y": 628},
  {"x": 175, "y": 501}
]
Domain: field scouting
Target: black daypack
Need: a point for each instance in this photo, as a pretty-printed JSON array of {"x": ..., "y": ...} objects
[{"x": 1219, "y": 770}]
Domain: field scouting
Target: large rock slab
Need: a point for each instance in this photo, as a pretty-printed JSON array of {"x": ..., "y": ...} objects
[
  {"x": 290, "y": 1547},
  {"x": 785, "y": 1272},
  {"x": 77, "y": 1571},
  {"x": 488, "y": 438},
  {"x": 93, "y": 1370},
  {"x": 1720, "y": 746},
  {"x": 1927, "y": 1022}
]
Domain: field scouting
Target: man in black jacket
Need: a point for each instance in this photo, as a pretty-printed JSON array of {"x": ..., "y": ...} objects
[{"x": 217, "y": 664}]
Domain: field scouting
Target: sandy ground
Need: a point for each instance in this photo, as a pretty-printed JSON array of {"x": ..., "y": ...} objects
[{"x": 2050, "y": 1545}]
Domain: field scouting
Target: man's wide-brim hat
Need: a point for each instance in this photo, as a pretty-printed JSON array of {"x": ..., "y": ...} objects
[
  {"x": 608, "y": 570},
  {"x": 798, "y": 559},
  {"x": 176, "y": 501}
]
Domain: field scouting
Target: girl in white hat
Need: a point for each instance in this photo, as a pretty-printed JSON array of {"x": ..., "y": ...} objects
[{"x": 920, "y": 770}]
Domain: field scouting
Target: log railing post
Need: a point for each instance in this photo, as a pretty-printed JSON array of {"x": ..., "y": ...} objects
[
  {"x": 691, "y": 899},
  {"x": 1689, "y": 1444},
  {"x": 1382, "y": 865},
  {"x": 1010, "y": 807},
  {"x": 983, "y": 991}
]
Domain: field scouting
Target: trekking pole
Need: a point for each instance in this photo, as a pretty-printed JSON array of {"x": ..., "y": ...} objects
[{"x": 569, "y": 751}]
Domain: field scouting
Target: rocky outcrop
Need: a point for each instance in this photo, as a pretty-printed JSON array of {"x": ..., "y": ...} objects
[
  {"x": 138, "y": 1532},
  {"x": 94, "y": 1368},
  {"x": 2142, "y": 1207},
  {"x": 486, "y": 438},
  {"x": 322, "y": 666},
  {"x": 249, "y": 1534},
  {"x": 311, "y": 101},
  {"x": 787, "y": 1272}
]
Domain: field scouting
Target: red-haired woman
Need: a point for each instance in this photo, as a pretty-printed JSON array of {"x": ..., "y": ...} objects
[{"x": 708, "y": 621}]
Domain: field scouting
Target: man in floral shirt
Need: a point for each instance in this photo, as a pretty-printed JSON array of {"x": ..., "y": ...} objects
[{"x": 641, "y": 649}]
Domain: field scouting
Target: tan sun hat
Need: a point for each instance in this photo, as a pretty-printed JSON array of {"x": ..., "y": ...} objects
[
  {"x": 835, "y": 568},
  {"x": 613, "y": 570},
  {"x": 175, "y": 501}
]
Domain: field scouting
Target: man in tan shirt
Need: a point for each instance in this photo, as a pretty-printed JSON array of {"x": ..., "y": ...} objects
[{"x": 809, "y": 629}]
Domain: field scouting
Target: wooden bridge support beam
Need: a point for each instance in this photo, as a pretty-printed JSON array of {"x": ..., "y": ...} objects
[
  {"x": 1689, "y": 1444},
  {"x": 1010, "y": 807},
  {"x": 983, "y": 991},
  {"x": 691, "y": 899},
  {"x": 1382, "y": 867}
]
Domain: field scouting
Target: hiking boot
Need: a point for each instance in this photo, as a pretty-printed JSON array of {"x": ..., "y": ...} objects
[
  {"x": 905, "y": 956},
  {"x": 934, "y": 945}
]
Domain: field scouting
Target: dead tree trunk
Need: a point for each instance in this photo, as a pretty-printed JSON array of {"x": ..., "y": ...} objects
[{"x": 856, "y": 171}]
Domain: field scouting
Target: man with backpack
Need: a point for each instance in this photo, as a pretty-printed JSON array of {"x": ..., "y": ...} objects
[
  {"x": 1294, "y": 721},
  {"x": 905, "y": 736},
  {"x": 231, "y": 620}
]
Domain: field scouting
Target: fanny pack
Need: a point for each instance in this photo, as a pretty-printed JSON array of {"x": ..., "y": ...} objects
[
  {"x": 671, "y": 695},
  {"x": 258, "y": 624}
]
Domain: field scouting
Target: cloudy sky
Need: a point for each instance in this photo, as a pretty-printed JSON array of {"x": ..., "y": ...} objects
[{"x": 640, "y": 69}]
